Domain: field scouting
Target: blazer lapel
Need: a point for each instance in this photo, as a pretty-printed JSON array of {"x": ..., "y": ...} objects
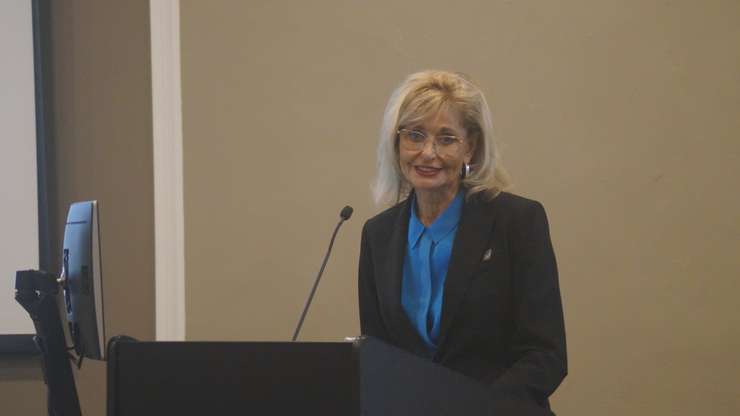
[
  {"x": 396, "y": 250},
  {"x": 473, "y": 235}
]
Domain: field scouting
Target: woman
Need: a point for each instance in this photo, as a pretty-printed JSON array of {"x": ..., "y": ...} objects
[{"x": 459, "y": 271}]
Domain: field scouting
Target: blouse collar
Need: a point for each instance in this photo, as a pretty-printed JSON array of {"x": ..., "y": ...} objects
[{"x": 441, "y": 227}]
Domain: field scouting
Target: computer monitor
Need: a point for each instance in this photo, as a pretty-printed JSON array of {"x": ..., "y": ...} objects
[{"x": 82, "y": 277}]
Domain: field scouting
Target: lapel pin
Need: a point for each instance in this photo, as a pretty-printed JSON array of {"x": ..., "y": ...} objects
[{"x": 487, "y": 255}]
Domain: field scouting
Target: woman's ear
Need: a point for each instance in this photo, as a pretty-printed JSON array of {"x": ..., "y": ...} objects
[{"x": 470, "y": 147}]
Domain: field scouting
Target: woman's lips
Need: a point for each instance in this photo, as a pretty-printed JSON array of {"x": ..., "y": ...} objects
[{"x": 426, "y": 170}]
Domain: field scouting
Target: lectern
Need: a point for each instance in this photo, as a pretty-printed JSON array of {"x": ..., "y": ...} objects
[{"x": 364, "y": 377}]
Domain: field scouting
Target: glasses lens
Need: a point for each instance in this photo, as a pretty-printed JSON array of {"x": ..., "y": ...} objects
[
  {"x": 411, "y": 139},
  {"x": 447, "y": 144}
]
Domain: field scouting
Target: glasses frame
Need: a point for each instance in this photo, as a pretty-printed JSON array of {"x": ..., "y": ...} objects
[{"x": 427, "y": 136}]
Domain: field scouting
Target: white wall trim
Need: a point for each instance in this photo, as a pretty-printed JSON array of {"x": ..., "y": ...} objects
[{"x": 169, "y": 219}]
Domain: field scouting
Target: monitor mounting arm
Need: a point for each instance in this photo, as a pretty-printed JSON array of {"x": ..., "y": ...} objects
[{"x": 37, "y": 292}]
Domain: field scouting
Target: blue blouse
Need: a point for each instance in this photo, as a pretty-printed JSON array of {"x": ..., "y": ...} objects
[{"x": 425, "y": 268}]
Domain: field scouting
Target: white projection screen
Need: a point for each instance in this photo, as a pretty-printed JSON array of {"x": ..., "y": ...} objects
[{"x": 19, "y": 219}]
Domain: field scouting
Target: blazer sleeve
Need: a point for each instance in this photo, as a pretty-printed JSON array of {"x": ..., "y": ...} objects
[
  {"x": 371, "y": 322},
  {"x": 538, "y": 343}
]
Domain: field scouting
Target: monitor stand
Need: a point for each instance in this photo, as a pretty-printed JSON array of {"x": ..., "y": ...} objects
[{"x": 37, "y": 292}]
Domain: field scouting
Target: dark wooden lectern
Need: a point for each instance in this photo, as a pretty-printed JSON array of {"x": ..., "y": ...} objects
[{"x": 365, "y": 377}]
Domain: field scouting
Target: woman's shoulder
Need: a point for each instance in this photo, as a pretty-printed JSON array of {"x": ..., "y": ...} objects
[
  {"x": 387, "y": 218},
  {"x": 509, "y": 208},
  {"x": 507, "y": 202}
]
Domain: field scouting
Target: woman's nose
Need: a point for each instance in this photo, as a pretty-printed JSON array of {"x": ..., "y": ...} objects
[{"x": 429, "y": 150}]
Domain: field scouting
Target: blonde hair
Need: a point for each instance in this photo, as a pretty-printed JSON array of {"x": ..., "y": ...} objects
[{"x": 421, "y": 95}]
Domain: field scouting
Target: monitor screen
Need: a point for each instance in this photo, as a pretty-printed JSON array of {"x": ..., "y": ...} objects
[
  {"x": 81, "y": 271},
  {"x": 19, "y": 241}
]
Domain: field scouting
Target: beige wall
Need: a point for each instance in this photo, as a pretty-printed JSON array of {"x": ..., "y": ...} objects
[
  {"x": 622, "y": 117},
  {"x": 100, "y": 113}
]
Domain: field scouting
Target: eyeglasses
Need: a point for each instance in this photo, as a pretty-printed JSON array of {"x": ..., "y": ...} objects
[{"x": 415, "y": 140}]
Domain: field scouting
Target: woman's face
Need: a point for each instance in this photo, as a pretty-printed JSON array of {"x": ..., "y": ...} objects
[{"x": 433, "y": 167}]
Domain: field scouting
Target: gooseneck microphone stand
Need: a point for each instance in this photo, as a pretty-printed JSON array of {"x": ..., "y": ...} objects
[
  {"x": 344, "y": 215},
  {"x": 37, "y": 292}
]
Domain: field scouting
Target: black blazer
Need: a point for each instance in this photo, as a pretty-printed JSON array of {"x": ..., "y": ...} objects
[{"x": 502, "y": 318}]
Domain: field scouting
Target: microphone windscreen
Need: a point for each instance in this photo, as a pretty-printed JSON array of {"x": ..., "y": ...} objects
[{"x": 346, "y": 212}]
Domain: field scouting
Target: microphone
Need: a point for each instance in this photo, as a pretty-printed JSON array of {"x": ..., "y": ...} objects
[{"x": 344, "y": 215}]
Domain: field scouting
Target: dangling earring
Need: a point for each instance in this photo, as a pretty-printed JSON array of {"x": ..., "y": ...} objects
[{"x": 465, "y": 171}]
